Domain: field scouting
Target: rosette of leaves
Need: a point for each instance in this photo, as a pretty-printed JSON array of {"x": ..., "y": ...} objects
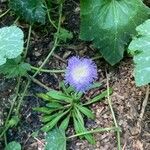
[
  {"x": 110, "y": 24},
  {"x": 62, "y": 107},
  {"x": 31, "y": 10}
]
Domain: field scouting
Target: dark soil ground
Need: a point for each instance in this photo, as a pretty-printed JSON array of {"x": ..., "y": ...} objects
[{"x": 127, "y": 98}]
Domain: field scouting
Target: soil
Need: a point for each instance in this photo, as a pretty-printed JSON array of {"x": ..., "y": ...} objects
[{"x": 127, "y": 99}]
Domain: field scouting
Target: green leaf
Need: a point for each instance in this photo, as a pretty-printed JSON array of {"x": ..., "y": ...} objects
[
  {"x": 31, "y": 10},
  {"x": 13, "y": 121},
  {"x": 56, "y": 140},
  {"x": 86, "y": 111},
  {"x": 43, "y": 110},
  {"x": 13, "y": 146},
  {"x": 11, "y": 43},
  {"x": 78, "y": 115},
  {"x": 76, "y": 126},
  {"x": 110, "y": 24},
  {"x": 65, "y": 123},
  {"x": 64, "y": 35},
  {"x": 53, "y": 122},
  {"x": 99, "y": 97},
  {"x": 95, "y": 85},
  {"x": 48, "y": 118},
  {"x": 14, "y": 68},
  {"x": 54, "y": 105},
  {"x": 62, "y": 85},
  {"x": 44, "y": 96},
  {"x": 79, "y": 128},
  {"x": 59, "y": 96},
  {"x": 35, "y": 134},
  {"x": 140, "y": 49}
]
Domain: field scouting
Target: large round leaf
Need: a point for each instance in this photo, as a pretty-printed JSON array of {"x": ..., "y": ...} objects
[
  {"x": 56, "y": 140},
  {"x": 110, "y": 23},
  {"x": 13, "y": 146},
  {"x": 140, "y": 48},
  {"x": 11, "y": 43}
]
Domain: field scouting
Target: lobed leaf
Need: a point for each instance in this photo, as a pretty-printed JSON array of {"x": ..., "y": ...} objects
[
  {"x": 56, "y": 140},
  {"x": 31, "y": 10},
  {"x": 13, "y": 146},
  {"x": 11, "y": 43},
  {"x": 110, "y": 24},
  {"x": 14, "y": 68},
  {"x": 140, "y": 49}
]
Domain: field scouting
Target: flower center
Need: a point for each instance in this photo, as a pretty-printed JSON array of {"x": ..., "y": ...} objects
[{"x": 80, "y": 73}]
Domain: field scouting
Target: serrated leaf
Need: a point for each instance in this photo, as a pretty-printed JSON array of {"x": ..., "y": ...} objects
[
  {"x": 59, "y": 96},
  {"x": 62, "y": 85},
  {"x": 140, "y": 49},
  {"x": 78, "y": 115},
  {"x": 54, "y": 106},
  {"x": 44, "y": 96},
  {"x": 11, "y": 43},
  {"x": 43, "y": 110},
  {"x": 64, "y": 35},
  {"x": 79, "y": 128},
  {"x": 48, "y": 118},
  {"x": 76, "y": 126},
  {"x": 14, "y": 68},
  {"x": 56, "y": 140},
  {"x": 109, "y": 24},
  {"x": 99, "y": 97},
  {"x": 13, "y": 146},
  {"x": 53, "y": 122},
  {"x": 95, "y": 85},
  {"x": 65, "y": 123},
  {"x": 31, "y": 10},
  {"x": 86, "y": 111}
]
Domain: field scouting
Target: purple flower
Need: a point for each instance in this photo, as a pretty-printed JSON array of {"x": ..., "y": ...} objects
[{"x": 80, "y": 73}]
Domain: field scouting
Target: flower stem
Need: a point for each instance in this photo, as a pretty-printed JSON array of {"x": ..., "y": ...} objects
[
  {"x": 10, "y": 111},
  {"x": 4, "y": 131},
  {"x": 45, "y": 61},
  {"x": 3, "y": 14},
  {"x": 13, "y": 102},
  {"x": 39, "y": 83},
  {"x": 28, "y": 41},
  {"x": 47, "y": 70},
  {"x": 22, "y": 97},
  {"x": 113, "y": 114},
  {"x": 55, "y": 43},
  {"x": 94, "y": 131},
  {"x": 49, "y": 17}
]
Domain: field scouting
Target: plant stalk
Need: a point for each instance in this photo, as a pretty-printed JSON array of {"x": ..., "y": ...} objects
[
  {"x": 55, "y": 42},
  {"x": 47, "y": 70},
  {"x": 94, "y": 131},
  {"x": 113, "y": 114}
]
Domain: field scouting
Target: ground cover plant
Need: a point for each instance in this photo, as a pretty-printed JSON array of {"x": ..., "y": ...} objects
[{"x": 115, "y": 29}]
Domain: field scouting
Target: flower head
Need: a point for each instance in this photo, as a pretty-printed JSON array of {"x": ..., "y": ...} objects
[{"x": 80, "y": 73}]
